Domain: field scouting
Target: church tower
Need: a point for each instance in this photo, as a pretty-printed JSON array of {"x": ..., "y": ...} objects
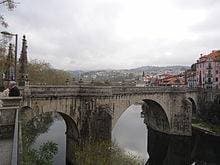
[
  {"x": 23, "y": 63},
  {"x": 10, "y": 70}
]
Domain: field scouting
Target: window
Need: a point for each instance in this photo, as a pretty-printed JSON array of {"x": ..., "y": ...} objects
[
  {"x": 216, "y": 79},
  {"x": 216, "y": 71}
]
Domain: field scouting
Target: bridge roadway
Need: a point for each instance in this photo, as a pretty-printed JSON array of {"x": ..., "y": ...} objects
[{"x": 90, "y": 112}]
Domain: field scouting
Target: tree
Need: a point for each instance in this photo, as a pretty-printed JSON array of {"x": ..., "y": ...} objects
[
  {"x": 42, "y": 73},
  {"x": 103, "y": 153},
  {"x": 10, "y": 5},
  {"x": 43, "y": 156},
  {"x": 30, "y": 131}
]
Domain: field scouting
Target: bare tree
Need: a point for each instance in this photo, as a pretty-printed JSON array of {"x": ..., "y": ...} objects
[{"x": 10, "y": 5}]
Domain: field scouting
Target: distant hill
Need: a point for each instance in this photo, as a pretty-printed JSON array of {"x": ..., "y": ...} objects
[
  {"x": 148, "y": 69},
  {"x": 134, "y": 73},
  {"x": 76, "y": 73}
]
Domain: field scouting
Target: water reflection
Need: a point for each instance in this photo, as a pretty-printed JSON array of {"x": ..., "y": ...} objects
[
  {"x": 206, "y": 149},
  {"x": 200, "y": 149},
  {"x": 56, "y": 134},
  {"x": 130, "y": 132},
  {"x": 160, "y": 149},
  {"x": 43, "y": 139},
  {"x": 132, "y": 135},
  {"x": 168, "y": 150}
]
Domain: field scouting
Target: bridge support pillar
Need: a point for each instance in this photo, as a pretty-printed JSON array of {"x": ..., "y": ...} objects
[
  {"x": 71, "y": 144},
  {"x": 101, "y": 123},
  {"x": 96, "y": 121}
]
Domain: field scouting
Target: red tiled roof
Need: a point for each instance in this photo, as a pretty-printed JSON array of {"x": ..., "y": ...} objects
[{"x": 214, "y": 55}]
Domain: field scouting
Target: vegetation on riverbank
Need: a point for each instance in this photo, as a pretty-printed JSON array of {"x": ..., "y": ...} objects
[
  {"x": 42, "y": 73},
  {"x": 104, "y": 152},
  {"x": 88, "y": 153},
  {"x": 42, "y": 155},
  {"x": 206, "y": 126}
]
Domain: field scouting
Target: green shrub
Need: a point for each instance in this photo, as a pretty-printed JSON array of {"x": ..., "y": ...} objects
[{"x": 104, "y": 153}]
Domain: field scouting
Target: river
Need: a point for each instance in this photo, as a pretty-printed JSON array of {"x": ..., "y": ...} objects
[{"x": 133, "y": 136}]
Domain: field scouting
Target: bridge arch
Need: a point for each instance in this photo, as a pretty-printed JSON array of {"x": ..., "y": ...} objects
[
  {"x": 72, "y": 132},
  {"x": 35, "y": 111},
  {"x": 193, "y": 106},
  {"x": 156, "y": 102},
  {"x": 217, "y": 99},
  {"x": 155, "y": 116},
  {"x": 120, "y": 105}
]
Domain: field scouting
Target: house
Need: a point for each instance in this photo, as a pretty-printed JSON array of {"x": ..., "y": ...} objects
[
  {"x": 208, "y": 70},
  {"x": 174, "y": 81},
  {"x": 190, "y": 77}
]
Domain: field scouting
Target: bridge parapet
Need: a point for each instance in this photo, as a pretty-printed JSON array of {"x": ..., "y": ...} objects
[
  {"x": 73, "y": 90},
  {"x": 50, "y": 91},
  {"x": 91, "y": 90},
  {"x": 8, "y": 108},
  {"x": 142, "y": 90},
  {"x": 10, "y": 101},
  {"x": 95, "y": 91}
]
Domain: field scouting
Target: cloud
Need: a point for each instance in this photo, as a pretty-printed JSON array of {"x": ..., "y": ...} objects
[
  {"x": 195, "y": 4},
  {"x": 101, "y": 34}
]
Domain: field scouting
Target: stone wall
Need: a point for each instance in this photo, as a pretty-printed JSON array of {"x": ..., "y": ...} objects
[
  {"x": 7, "y": 116},
  {"x": 7, "y": 122}
]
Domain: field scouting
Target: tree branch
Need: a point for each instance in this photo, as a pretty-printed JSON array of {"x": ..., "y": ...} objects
[
  {"x": 3, "y": 2},
  {"x": 10, "y": 4}
]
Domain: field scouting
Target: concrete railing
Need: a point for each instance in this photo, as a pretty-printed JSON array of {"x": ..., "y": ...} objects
[
  {"x": 10, "y": 107},
  {"x": 7, "y": 110},
  {"x": 15, "y": 149},
  {"x": 10, "y": 101}
]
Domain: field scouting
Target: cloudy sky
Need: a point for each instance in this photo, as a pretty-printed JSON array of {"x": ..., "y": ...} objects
[{"x": 106, "y": 34}]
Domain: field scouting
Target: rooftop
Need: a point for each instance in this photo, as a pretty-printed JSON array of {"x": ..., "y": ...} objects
[{"x": 214, "y": 55}]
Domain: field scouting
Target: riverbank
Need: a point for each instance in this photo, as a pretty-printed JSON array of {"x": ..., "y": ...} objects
[
  {"x": 104, "y": 152},
  {"x": 206, "y": 127}
]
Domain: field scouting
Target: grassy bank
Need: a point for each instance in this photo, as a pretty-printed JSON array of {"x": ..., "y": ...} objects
[
  {"x": 205, "y": 125},
  {"x": 104, "y": 153}
]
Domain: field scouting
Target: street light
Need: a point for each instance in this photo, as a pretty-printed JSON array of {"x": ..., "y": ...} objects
[{"x": 16, "y": 47}]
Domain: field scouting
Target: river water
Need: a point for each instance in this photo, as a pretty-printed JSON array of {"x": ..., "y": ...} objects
[{"x": 132, "y": 136}]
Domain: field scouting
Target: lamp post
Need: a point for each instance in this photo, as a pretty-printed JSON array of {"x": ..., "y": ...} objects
[{"x": 16, "y": 47}]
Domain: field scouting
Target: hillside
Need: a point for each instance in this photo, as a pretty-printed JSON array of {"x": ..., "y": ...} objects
[{"x": 119, "y": 75}]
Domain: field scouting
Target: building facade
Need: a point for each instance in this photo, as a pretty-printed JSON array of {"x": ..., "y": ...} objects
[
  {"x": 190, "y": 77},
  {"x": 208, "y": 70}
]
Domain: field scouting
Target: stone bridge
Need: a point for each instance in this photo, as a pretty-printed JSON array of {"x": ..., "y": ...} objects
[
  {"x": 81, "y": 103},
  {"x": 90, "y": 112}
]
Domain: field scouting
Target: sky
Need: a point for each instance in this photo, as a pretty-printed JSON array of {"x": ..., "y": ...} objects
[{"x": 116, "y": 34}]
